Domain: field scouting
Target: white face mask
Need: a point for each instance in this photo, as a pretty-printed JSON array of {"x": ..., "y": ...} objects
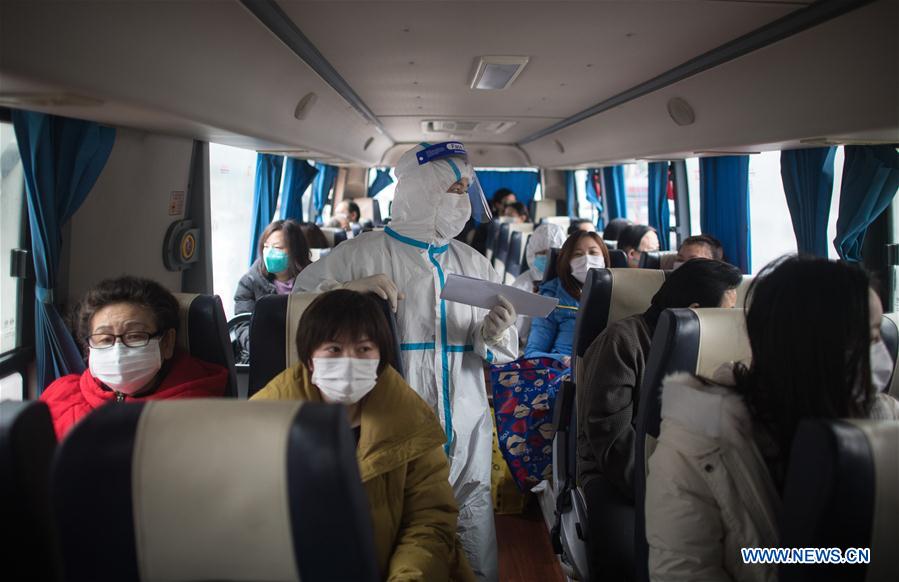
[
  {"x": 881, "y": 366},
  {"x": 452, "y": 214},
  {"x": 344, "y": 380},
  {"x": 123, "y": 369},
  {"x": 580, "y": 265}
]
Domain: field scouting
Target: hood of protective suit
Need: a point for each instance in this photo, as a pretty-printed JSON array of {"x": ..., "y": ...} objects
[
  {"x": 546, "y": 236},
  {"x": 422, "y": 207}
]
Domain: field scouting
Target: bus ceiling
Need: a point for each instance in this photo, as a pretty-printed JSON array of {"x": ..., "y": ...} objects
[{"x": 589, "y": 83}]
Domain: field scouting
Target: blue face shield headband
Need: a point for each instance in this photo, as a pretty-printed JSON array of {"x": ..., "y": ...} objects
[{"x": 480, "y": 210}]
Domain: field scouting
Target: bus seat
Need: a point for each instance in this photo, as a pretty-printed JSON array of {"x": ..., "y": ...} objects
[
  {"x": 242, "y": 369},
  {"x": 27, "y": 444},
  {"x": 513, "y": 261},
  {"x": 608, "y": 295},
  {"x": 501, "y": 248},
  {"x": 523, "y": 227},
  {"x": 611, "y": 244},
  {"x": 204, "y": 333},
  {"x": 658, "y": 260},
  {"x": 697, "y": 341},
  {"x": 618, "y": 258},
  {"x": 492, "y": 234},
  {"x": 369, "y": 209},
  {"x": 212, "y": 489},
  {"x": 273, "y": 332},
  {"x": 547, "y": 207},
  {"x": 840, "y": 492},
  {"x": 334, "y": 236},
  {"x": 889, "y": 331}
]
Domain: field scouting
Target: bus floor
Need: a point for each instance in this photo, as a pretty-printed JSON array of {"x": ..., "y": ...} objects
[{"x": 525, "y": 553}]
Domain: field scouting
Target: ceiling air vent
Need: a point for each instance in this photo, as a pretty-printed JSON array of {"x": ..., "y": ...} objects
[
  {"x": 496, "y": 73},
  {"x": 458, "y": 126}
]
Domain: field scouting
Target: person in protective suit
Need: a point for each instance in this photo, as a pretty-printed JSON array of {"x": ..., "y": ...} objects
[{"x": 444, "y": 344}]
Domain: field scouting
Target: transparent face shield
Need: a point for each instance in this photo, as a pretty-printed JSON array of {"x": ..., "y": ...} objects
[{"x": 454, "y": 154}]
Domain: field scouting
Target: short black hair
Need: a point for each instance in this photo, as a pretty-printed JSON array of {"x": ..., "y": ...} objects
[
  {"x": 127, "y": 289},
  {"x": 341, "y": 314},
  {"x": 500, "y": 194},
  {"x": 701, "y": 281},
  {"x": 706, "y": 239},
  {"x": 631, "y": 236},
  {"x": 519, "y": 209},
  {"x": 352, "y": 207},
  {"x": 574, "y": 224},
  {"x": 615, "y": 227}
]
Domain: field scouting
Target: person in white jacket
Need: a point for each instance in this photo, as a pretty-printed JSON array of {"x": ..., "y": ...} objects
[
  {"x": 444, "y": 344},
  {"x": 717, "y": 474}
]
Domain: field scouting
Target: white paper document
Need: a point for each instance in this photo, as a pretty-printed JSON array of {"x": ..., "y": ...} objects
[{"x": 481, "y": 293}]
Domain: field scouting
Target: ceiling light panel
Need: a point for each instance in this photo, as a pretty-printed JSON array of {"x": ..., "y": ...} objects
[{"x": 497, "y": 73}]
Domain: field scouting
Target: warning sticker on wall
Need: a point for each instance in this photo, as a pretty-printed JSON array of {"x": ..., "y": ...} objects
[{"x": 176, "y": 203}]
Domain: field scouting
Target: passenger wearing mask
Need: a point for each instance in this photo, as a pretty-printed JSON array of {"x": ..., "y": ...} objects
[
  {"x": 516, "y": 213},
  {"x": 615, "y": 227},
  {"x": 345, "y": 348},
  {"x": 553, "y": 336},
  {"x": 546, "y": 237},
  {"x": 498, "y": 203},
  {"x": 636, "y": 240},
  {"x": 701, "y": 246},
  {"x": 127, "y": 327},
  {"x": 345, "y": 215},
  {"x": 580, "y": 225},
  {"x": 717, "y": 474},
  {"x": 282, "y": 253},
  {"x": 445, "y": 344},
  {"x": 607, "y": 395}
]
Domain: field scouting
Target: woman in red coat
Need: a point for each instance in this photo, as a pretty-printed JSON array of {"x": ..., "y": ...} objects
[{"x": 128, "y": 326}]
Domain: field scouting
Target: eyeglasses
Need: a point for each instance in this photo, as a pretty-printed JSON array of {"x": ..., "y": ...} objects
[{"x": 131, "y": 339}]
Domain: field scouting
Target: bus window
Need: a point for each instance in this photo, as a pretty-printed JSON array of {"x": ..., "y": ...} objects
[{"x": 12, "y": 207}]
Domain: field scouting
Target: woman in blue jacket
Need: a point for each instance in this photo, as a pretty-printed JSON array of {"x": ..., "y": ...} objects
[{"x": 552, "y": 336}]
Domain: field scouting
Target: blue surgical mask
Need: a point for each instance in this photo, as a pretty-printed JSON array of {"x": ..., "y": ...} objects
[
  {"x": 275, "y": 260},
  {"x": 540, "y": 263}
]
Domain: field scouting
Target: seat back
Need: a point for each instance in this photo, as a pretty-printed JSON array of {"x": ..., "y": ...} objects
[
  {"x": 513, "y": 261},
  {"x": 548, "y": 207},
  {"x": 561, "y": 221},
  {"x": 369, "y": 209},
  {"x": 501, "y": 247},
  {"x": 334, "y": 236},
  {"x": 273, "y": 332},
  {"x": 27, "y": 444},
  {"x": 273, "y": 494},
  {"x": 611, "y": 244},
  {"x": 492, "y": 233},
  {"x": 617, "y": 258},
  {"x": 658, "y": 260},
  {"x": 696, "y": 341},
  {"x": 840, "y": 492},
  {"x": 889, "y": 331},
  {"x": 204, "y": 333}
]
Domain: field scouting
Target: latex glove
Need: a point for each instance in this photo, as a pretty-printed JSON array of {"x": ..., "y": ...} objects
[
  {"x": 500, "y": 318},
  {"x": 380, "y": 285}
]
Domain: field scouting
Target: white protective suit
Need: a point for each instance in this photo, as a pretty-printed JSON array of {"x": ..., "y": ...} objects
[
  {"x": 443, "y": 346},
  {"x": 546, "y": 236}
]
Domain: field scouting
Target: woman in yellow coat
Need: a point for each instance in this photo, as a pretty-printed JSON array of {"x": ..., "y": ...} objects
[{"x": 345, "y": 345}]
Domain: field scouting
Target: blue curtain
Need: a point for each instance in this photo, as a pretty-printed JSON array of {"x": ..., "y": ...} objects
[
  {"x": 298, "y": 174},
  {"x": 657, "y": 192},
  {"x": 808, "y": 184},
  {"x": 523, "y": 183},
  {"x": 62, "y": 159},
  {"x": 870, "y": 181},
  {"x": 614, "y": 192},
  {"x": 594, "y": 195},
  {"x": 265, "y": 196},
  {"x": 382, "y": 180},
  {"x": 321, "y": 187},
  {"x": 724, "y": 205},
  {"x": 571, "y": 193}
]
